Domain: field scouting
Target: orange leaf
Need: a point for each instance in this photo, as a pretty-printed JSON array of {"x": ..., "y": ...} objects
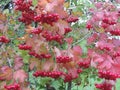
[{"x": 5, "y": 73}]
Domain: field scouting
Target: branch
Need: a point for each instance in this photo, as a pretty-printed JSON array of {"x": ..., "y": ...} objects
[
  {"x": 86, "y": 36},
  {"x": 69, "y": 86}
]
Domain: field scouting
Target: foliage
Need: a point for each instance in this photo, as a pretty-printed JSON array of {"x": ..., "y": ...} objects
[{"x": 60, "y": 45}]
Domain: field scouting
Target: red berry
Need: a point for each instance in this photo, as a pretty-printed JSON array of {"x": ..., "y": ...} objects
[
  {"x": 67, "y": 30},
  {"x": 115, "y": 32},
  {"x": 72, "y": 19},
  {"x": 25, "y": 47},
  {"x": 52, "y": 74},
  {"x": 12, "y": 87},
  {"x": 63, "y": 59},
  {"x": 108, "y": 75},
  {"x": 4, "y": 39},
  {"x": 104, "y": 86},
  {"x": 89, "y": 26},
  {"x": 47, "y": 18},
  {"x": 36, "y": 31},
  {"x": 84, "y": 64}
]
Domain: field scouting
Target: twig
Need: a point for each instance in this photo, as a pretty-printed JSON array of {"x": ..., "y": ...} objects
[
  {"x": 87, "y": 35},
  {"x": 69, "y": 86},
  {"x": 9, "y": 62}
]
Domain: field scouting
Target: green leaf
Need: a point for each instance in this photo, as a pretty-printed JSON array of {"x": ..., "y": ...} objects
[
  {"x": 34, "y": 2},
  {"x": 118, "y": 84},
  {"x": 56, "y": 84},
  {"x": 83, "y": 44}
]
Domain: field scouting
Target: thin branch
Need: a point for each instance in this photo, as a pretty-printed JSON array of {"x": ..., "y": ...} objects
[
  {"x": 86, "y": 36},
  {"x": 9, "y": 62},
  {"x": 69, "y": 86}
]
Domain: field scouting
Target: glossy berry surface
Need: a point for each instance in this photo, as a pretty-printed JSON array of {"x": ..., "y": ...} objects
[
  {"x": 12, "y": 87},
  {"x": 63, "y": 59}
]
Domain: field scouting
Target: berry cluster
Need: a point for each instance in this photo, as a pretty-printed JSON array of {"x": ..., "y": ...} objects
[
  {"x": 116, "y": 54},
  {"x": 107, "y": 21},
  {"x": 27, "y": 13},
  {"x": 52, "y": 74},
  {"x": 89, "y": 26},
  {"x": 47, "y": 18},
  {"x": 24, "y": 47},
  {"x": 115, "y": 32},
  {"x": 72, "y": 19},
  {"x": 108, "y": 75},
  {"x": 12, "y": 87},
  {"x": 49, "y": 37},
  {"x": 27, "y": 17},
  {"x": 63, "y": 59},
  {"x": 104, "y": 86},
  {"x": 68, "y": 78},
  {"x": 105, "y": 48},
  {"x": 67, "y": 30},
  {"x": 4, "y": 39},
  {"x": 79, "y": 71},
  {"x": 84, "y": 64},
  {"x": 22, "y": 5},
  {"x": 104, "y": 25},
  {"x": 33, "y": 53},
  {"x": 36, "y": 31}
]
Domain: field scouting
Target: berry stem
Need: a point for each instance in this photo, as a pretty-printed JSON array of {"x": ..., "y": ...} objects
[{"x": 69, "y": 85}]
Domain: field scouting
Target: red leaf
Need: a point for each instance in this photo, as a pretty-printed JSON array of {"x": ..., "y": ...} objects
[
  {"x": 20, "y": 75},
  {"x": 48, "y": 65},
  {"x": 77, "y": 50},
  {"x": 57, "y": 51},
  {"x": 69, "y": 40},
  {"x": 5, "y": 73},
  {"x": 18, "y": 63}
]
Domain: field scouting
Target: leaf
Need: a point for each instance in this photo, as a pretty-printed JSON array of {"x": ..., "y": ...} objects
[
  {"x": 57, "y": 51},
  {"x": 18, "y": 62},
  {"x": 69, "y": 40},
  {"x": 48, "y": 65},
  {"x": 73, "y": 72},
  {"x": 34, "y": 62},
  {"x": 20, "y": 75},
  {"x": 5, "y": 73},
  {"x": 83, "y": 44},
  {"x": 62, "y": 25},
  {"x": 77, "y": 50},
  {"x": 66, "y": 4},
  {"x": 34, "y": 2},
  {"x": 56, "y": 84},
  {"x": 100, "y": 30},
  {"x": 2, "y": 84},
  {"x": 77, "y": 13},
  {"x": 117, "y": 84}
]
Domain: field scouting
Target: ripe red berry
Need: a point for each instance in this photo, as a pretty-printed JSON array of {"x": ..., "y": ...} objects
[
  {"x": 115, "y": 32},
  {"x": 63, "y": 59},
  {"x": 89, "y": 26},
  {"x": 67, "y": 30},
  {"x": 12, "y": 87},
  {"x": 4, "y": 39},
  {"x": 72, "y": 19},
  {"x": 47, "y": 18},
  {"x": 24, "y": 47},
  {"x": 52, "y": 74},
  {"x": 108, "y": 75},
  {"x": 116, "y": 54},
  {"x": 36, "y": 31},
  {"x": 84, "y": 64},
  {"x": 104, "y": 86},
  {"x": 79, "y": 71}
]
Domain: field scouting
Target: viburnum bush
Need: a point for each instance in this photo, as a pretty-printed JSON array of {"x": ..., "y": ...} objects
[{"x": 38, "y": 48}]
